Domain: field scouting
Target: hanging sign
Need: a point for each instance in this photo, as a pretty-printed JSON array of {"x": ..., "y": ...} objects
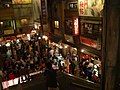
[{"x": 76, "y": 30}]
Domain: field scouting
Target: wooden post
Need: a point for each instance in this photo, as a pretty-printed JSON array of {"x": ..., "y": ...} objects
[{"x": 111, "y": 46}]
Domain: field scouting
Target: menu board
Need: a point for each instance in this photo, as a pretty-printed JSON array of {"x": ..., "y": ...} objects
[
  {"x": 91, "y": 27},
  {"x": 91, "y": 31}
]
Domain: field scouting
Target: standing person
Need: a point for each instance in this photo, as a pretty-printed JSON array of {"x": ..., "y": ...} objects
[
  {"x": 72, "y": 67},
  {"x": 51, "y": 77}
]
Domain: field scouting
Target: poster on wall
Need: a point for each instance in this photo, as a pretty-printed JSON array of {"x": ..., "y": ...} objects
[{"x": 90, "y": 7}]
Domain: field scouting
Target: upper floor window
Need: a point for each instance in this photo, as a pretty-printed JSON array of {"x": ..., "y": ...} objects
[
  {"x": 56, "y": 23},
  {"x": 5, "y": 1}
]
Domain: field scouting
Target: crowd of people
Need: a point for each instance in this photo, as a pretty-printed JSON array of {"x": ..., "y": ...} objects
[
  {"x": 24, "y": 57},
  {"x": 21, "y": 58},
  {"x": 90, "y": 70}
]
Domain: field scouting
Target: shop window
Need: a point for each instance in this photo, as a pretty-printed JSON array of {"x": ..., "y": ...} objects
[
  {"x": 56, "y": 23},
  {"x": 90, "y": 30},
  {"x": 7, "y": 24},
  {"x": 91, "y": 27}
]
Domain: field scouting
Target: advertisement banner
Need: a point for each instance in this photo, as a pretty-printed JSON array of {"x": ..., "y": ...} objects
[
  {"x": 90, "y": 7},
  {"x": 21, "y": 1}
]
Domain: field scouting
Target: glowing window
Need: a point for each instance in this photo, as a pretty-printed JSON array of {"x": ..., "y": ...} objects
[{"x": 56, "y": 24}]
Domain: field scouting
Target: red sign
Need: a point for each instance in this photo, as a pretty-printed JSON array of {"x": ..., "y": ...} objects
[
  {"x": 83, "y": 5},
  {"x": 88, "y": 42}
]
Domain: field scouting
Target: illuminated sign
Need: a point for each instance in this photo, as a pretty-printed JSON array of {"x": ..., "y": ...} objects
[
  {"x": 88, "y": 42},
  {"x": 21, "y": 1},
  {"x": 90, "y": 7},
  {"x": 76, "y": 30}
]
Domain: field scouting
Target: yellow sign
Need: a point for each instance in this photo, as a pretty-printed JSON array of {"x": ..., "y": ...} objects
[
  {"x": 90, "y": 7},
  {"x": 21, "y": 1}
]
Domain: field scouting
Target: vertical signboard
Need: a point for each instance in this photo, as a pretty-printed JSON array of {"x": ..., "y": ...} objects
[
  {"x": 44, "y": 11},
  {"x": 76, "y": 30},
  {"x": 90, "y": 7}
]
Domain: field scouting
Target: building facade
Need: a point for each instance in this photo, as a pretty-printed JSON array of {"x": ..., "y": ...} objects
[
  {"x": 56, "y": 19},
  {"x": 15, "y": 17}
]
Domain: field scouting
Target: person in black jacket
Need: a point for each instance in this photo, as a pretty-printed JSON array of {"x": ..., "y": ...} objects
[{"x": 51, "y": 77}]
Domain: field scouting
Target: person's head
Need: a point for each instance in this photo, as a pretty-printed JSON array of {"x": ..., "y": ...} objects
[
  {"x": 48, "y": 65},
  {"x": 55, "y": 63}
]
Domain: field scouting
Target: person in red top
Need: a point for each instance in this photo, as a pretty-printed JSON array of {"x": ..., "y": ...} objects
[{"x": 12, "y": 76}]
